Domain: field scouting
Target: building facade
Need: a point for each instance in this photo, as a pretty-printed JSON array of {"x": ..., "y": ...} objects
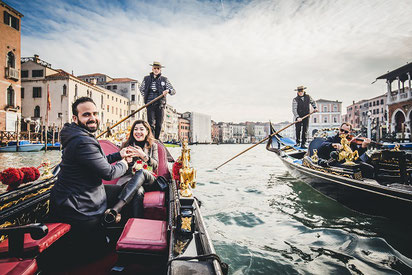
[
  {"x": 40, "y": 80},
  {"x": 170, "y": 127},
  {"x": 288, "y": 132},
  {"x": 126, "y": 87},
  {"x": 328, "y": 116},
  {"x": 200, "y": 127},
  {"x": 183, "y": 128},
  {"x": 399, "y": 99},
  {"x": 10, "y": 78}
]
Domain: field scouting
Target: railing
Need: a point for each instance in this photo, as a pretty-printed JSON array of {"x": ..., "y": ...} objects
[
  {"x": 36, "y": 60},
  {"x": 12, "y": 73},
  {"x": 6, "y": 136}
]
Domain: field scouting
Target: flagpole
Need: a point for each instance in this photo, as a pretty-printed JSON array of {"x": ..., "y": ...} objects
[{"x": 48, "y": 106}]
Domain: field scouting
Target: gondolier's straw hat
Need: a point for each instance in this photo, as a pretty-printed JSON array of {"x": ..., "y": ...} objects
[
  {"x": 300, "y": 88},
  {"x": 156, "y": 64}
]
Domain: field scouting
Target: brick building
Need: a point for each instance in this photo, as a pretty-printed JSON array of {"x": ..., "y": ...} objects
[{"x": 10, "y": 52}]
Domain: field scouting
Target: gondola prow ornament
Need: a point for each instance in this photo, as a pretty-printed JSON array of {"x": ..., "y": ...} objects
[
  {"x": 187, "y": 173},
  {"x": 346, "y": 152}
]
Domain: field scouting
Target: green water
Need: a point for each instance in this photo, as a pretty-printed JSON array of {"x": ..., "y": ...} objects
[{"x": 263, "y": 221}]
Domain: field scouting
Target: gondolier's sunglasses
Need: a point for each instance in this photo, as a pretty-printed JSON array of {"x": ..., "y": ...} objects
[{"x": 344, "y": 131}]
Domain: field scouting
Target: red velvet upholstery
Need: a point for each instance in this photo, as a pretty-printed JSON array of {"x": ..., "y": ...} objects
[
  {"x": 143, "y": 236},
  {"x": 109, "y": 148},
  {"x": 162, "y": 169},
  {"x": 56, "y": 230},
  {"x": 154, "y": 205},
  {"x": 14, "y": 266}
]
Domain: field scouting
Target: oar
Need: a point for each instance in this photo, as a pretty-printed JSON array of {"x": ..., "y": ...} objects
[
  {"x": 263, "y": 140},
  {"x": 138, "y": 110}
]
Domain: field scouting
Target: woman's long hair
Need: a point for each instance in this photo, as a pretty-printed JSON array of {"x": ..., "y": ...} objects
[{"x": 149, "y": 139}]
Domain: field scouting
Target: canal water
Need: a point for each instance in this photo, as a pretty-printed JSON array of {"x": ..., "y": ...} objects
[{"x": 263, "y": 221}]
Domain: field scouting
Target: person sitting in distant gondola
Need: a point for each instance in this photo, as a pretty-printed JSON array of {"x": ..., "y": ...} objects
[
  {"x": 330, "y": 147},
  {"x": 146, "y": 160}
]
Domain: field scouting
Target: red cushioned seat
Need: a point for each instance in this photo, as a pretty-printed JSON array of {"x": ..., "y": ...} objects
[
  {"x": 14, "y": 266},
  {"x": 162, "y": 169},
  {"x": 143, "y": 236},
  {"x": 56, "y": 230},
  {"x": 154, "y": 205},
  {"x": 109, "y": 148}
]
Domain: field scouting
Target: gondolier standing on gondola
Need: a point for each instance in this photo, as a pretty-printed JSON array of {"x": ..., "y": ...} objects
[
  {"x": 300, "y": 108},
  {"x": 152, "y": 86}
]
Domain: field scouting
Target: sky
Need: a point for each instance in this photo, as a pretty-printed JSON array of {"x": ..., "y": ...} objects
[{"x": 234, "y": 60}]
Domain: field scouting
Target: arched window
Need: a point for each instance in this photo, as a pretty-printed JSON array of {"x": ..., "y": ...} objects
[
  {"x": 10, "y": 96},
  {"x": 90, "y": 94},
  {"x": 37, "y": 111},
  {"x": 64, "y": 90},
  {"x": 75, "y": 91},
  {"x": 11, "y": 60}
]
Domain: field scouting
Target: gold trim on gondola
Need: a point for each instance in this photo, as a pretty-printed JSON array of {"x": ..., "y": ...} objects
[{"x": 11, "y": 203}]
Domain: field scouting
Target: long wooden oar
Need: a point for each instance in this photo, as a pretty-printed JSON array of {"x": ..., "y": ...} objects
[
  {"x": 263, "y": 140},
  {"x": 132, "y": 114}
]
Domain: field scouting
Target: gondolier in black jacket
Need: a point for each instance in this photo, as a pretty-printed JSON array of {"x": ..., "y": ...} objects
[
  {"x": 152, "y": 86},
  {"x": 78, "y": 196},
  {"x": 300, "y": 108}
]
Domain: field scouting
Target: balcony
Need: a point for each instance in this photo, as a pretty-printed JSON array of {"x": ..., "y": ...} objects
[{"x": 12, "y": 73}]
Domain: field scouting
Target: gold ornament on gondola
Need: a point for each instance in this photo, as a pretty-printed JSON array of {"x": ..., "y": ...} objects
[
  {"x": 187, "y": 224},
  {"x": 315, "y": 157},
  {"x": 346, "y": 152},
  {"x": 397, "y": 147},
  {"x": 187, "y": 173}
]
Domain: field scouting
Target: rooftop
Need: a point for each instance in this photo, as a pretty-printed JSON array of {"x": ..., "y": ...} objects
[
  {"x": 121, "y": 80},
  {"x": 401, "y": 72}
]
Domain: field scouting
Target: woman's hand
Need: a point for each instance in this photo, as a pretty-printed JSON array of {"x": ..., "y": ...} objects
[{"x": 129, "y": 152}]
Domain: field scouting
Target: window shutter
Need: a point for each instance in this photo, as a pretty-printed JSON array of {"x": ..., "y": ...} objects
[{"x": 6, "y": 17}]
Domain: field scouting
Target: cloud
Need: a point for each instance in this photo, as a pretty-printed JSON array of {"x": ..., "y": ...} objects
[{"x": 234, "y": 60}]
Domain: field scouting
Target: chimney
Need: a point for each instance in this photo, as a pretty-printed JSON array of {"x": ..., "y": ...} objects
[{"x": 36, "y": 58}]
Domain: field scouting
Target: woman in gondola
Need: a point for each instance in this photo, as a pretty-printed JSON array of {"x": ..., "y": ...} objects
[{"x": 138, "y": 175}]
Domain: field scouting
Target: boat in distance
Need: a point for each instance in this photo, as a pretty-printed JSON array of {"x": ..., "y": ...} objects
[
  {"x": 388, "y": 194},
  {"x": 24, "y": 146}
]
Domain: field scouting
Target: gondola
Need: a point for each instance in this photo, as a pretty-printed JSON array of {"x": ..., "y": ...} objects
[
  {"x": 170, "y": 239},
  {"x": 388, "y": 194}
]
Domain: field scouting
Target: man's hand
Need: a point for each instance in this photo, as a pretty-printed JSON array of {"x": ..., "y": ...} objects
[
  {"x": 316, "y": 110},
  {"x": 337, "y": 146},
  {"x": 165, "y": 92},
  {"x": 128, "y": 152},
  {"x": 299, "y": 119},
  {"x": 366, "y": 142}
]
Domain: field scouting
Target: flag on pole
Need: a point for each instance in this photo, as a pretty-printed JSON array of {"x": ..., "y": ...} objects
[{"x": 48, "y": 99}]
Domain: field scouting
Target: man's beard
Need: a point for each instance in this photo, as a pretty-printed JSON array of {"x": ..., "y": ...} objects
[{"x": 91, "y": 130}]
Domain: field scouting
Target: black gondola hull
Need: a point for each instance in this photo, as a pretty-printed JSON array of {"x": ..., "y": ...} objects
[{"x": 364, "y": 197}]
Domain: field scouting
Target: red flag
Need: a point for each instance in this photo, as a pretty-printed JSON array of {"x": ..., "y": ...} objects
[{"x": 48, "y": 99}]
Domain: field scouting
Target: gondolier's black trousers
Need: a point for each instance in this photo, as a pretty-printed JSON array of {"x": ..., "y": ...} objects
[
  {"x": 155, "y": 116},
  {"x": 302, "y": 127}
]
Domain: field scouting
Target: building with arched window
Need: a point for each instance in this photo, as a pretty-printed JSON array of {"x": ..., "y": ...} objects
[
  {"x": 329, "y": 116},
  {"x": 399, "y": 100},
  {"x": 10, "y": 85}
]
